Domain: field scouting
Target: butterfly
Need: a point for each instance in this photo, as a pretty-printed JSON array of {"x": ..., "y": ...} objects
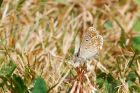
[{"x": 91, "y": 43}]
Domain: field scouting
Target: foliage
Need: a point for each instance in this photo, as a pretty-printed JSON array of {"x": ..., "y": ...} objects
[{"x": 39, "y": 86}]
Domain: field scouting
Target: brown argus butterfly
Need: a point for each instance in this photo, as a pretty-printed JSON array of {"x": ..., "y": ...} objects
[{"x": 91, "y": 43}]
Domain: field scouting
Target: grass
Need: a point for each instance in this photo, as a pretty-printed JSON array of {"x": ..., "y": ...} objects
[{"x": 38, "y": 39}]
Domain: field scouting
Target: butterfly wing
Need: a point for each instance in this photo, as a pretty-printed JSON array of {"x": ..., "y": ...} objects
[
  {"x": 91, "y": 44},
  {"x": 88, "y": 49}
]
